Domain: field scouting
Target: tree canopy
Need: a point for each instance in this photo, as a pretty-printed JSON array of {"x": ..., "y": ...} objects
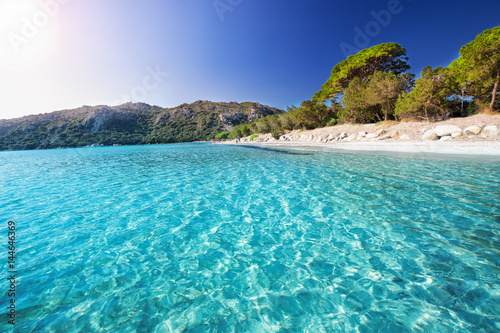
[
  {"x": 371, "y": 99},
  {"x": 478, "y": 67},
  {"x": 431, "y": 96},
  {"x": 387, "y": 57}
]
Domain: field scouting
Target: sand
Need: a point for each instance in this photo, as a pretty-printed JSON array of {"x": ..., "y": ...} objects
[{"x": 408, "y": 141}]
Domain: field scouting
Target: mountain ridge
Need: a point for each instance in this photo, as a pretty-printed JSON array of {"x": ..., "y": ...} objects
[{"x": 126, "y": 124}]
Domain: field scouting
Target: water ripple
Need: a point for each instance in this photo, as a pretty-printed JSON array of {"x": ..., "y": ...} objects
[{"x": 204, "y": 238}]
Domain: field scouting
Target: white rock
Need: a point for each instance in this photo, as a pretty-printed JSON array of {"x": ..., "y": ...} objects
[
  {"x": 430, "y": 135},
  {"x": 362, "y": 134},
  {"x": 343, "y": 135},
  {"x": 445, "y": 130},
  {"x": 490, "y": 131},
  {"x": 384, "y": 137},
  {"x": 371, "y": 135},
  {"x": 445, "y": 138},
  {"x": 404, "y": 137},
  {"x": 351, "y": 137},
  {"x": 474, "y": 130}
]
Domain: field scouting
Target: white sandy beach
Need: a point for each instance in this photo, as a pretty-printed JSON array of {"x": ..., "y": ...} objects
[
  {"x": 404, "y": 137},
  {"x": 486, "y": 149}
]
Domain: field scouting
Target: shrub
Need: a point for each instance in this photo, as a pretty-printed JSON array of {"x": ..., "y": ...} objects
[
  {"x": 276, "y": 134},
  {"x": 331, "y": 122},
  {"x": 222, "y": 135}
]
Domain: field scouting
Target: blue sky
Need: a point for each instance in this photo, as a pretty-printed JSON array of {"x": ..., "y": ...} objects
[{"x": 57, "y": 54}]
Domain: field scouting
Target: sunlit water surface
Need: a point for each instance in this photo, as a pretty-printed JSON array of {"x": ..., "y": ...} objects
[{"x": 215, "y": 238}]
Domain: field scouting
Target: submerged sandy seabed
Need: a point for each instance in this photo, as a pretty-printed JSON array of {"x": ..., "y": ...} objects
[{"x": 489, "y": 150}]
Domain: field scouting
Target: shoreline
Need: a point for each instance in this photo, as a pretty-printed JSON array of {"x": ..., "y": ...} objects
[
  {"x": 478, "y": 151},
  {"x": 474, "y": 138}
]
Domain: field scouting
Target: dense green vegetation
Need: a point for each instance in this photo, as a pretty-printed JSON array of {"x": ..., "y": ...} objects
[
  {"x": 128, "y": 124},
  {"x": 376, "y": 85}
]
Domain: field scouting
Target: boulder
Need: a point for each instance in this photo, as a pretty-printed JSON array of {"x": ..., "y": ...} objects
[
  {"x": 473, "y": 130},
  {"x": 445, "y": 130},
  {"x": 362, "y": 134},
  {"x": 381, "y": 132},
  {"x": 430, "y": 135},
  {"x": 394, "y": 135},
  {"x": 343, "y": 135},
  {"x": 351, "y": 137},
  {"x": 445, "y": 138},
  {"x": 490, "y": 131},
  {"x": 456, "y": 134},
  {"x": 404, "y": 137},
  {"x": 371, "y": 135}
]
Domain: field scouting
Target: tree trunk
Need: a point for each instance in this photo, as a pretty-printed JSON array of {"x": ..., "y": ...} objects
[
  {"x": 443, "y": 111},
  {"x": 494, "y": 93}
]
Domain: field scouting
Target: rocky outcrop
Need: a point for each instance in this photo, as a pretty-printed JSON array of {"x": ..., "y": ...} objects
[
  {"x": 161, "y": 118},
  {"x": 103, "y": 116},
  {"x": 233, "y": 118}
]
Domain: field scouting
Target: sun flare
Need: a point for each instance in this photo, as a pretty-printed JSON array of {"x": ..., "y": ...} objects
[{"x": 28, "y": 33}]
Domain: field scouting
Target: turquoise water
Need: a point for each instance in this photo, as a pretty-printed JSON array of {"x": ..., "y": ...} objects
[{"x": 214, "y": 238}]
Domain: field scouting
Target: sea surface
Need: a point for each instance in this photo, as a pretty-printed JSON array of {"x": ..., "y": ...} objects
[{"x": 219, "y": 238}]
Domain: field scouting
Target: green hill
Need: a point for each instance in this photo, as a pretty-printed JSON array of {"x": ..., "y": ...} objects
[{"x": 127, "y": 124}]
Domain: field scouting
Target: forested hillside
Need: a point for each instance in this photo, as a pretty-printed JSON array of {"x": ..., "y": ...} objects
[{"x": 127, "y": 124}]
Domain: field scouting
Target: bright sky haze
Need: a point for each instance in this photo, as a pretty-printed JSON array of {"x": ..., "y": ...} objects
[{"x": 62, "y": 54}]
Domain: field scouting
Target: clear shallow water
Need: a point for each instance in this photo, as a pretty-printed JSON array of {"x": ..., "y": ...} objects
[{"x": 209, "y": 238}]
